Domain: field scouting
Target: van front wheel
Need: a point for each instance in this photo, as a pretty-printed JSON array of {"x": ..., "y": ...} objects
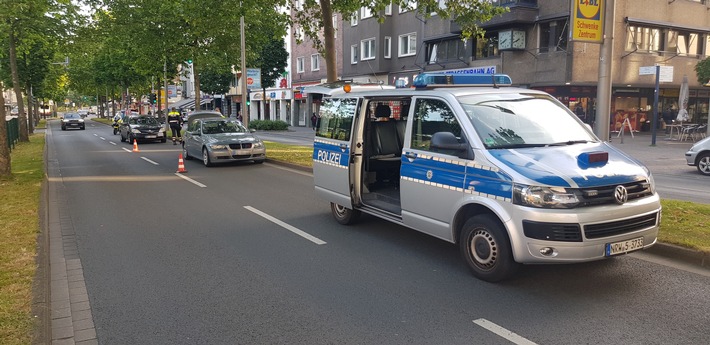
[
  {"x": 343, "y": 214},
  {"x": 486, "y": 248}
]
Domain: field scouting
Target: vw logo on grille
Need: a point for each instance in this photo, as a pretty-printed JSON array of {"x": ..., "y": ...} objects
[{"x": 621, "y": 195}]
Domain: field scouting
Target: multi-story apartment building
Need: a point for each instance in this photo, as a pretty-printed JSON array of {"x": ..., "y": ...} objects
[
  {"x": 308, "y": 68},
  {"x": 531, "y": 44}
]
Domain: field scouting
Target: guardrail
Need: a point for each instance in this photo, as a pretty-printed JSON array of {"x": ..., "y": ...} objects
[{"x": 13, "y": 132}]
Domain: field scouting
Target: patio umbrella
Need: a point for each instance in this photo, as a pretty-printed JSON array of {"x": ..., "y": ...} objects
[{"x": 683, "y": 101}]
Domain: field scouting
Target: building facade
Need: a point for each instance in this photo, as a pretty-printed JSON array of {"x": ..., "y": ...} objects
[
  {"x": 308, "y": 68},
  {"x": 532, "y": 44}
]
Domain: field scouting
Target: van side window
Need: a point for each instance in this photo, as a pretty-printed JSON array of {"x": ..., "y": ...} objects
[
  {"x": 336, "y": 118},
  {"x": 432, "y": 116}
]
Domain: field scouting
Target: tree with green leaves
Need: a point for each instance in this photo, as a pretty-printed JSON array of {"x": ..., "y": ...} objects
[
  {"x": 702, "y": 69},
  {"x": 315, "y": 17},
  {"x": 272, "y": 61}
]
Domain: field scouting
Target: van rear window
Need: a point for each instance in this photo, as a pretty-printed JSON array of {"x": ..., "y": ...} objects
[{"x": 336, "y": 118}]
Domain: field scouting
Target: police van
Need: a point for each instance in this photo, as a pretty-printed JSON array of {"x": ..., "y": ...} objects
[{"x": 511, "y": 175}]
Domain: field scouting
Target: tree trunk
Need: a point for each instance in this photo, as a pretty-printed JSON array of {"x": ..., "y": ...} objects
[
  {"x": 198, "y": 98},
  {"x": 31, "y": 110},
  {"x": 331, "y": 64},
  {"x": 24, "y": 134},
  {"x": 5, "y": 166}
]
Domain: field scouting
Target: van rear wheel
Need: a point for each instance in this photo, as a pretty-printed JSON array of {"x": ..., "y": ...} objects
[
  {"x": 343, "y": 214},
  {"x": 486, "y": 249}
]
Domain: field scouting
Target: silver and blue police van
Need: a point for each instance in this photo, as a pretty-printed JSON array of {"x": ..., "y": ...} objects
[{"x": 511, "y": 175}]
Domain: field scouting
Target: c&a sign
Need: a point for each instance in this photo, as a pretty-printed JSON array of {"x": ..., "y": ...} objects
[{"x": 588, "y": 20}]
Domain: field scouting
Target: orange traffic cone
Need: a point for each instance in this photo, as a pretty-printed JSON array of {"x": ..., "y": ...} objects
[
  {"x": 135, "y": 146},
  {"x": 181, "y": 165}
]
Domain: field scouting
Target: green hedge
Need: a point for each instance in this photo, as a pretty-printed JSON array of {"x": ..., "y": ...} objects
[{"x": 268, "y": 125}]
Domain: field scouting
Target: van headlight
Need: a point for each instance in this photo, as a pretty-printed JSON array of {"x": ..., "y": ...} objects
[
  {"x": 651, "y": 182},
  {"x": 544, "y": 197}
]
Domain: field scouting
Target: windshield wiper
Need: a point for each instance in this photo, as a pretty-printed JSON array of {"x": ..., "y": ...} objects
[
  {"x": 516, "y": 146},
  {"x": 569, "y": 142}
]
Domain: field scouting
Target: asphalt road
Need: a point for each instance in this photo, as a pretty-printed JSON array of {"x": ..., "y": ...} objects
[{"x": 246, "y": 254}]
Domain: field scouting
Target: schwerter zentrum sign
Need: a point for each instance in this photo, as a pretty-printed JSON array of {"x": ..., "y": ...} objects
[{"x": 588, "y": 20}]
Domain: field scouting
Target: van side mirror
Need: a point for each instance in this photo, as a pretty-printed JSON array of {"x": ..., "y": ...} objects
[{"x": 447, "y": 143}]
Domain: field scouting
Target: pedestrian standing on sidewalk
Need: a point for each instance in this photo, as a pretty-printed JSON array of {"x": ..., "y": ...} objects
[{"x": 314, "y": 120}]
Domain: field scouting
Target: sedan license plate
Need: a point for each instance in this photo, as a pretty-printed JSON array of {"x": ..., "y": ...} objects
[
  {"x": 622, "y": 247},
  {"x": 150, "y": 136}
]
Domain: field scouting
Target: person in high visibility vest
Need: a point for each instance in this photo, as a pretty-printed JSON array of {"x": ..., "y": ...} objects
[{"x": 175, "y": 123}]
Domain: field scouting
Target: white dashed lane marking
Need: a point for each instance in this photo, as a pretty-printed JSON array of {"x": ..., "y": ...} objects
[
  {"x": 502, "y": 332},
  {"x": 287, "y": 226}
]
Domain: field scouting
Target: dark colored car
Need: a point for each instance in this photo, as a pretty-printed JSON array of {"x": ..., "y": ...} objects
[
  {"x": 142, "y": 128},
  {"x": 72, "y": 120},
  {"x": 219, "y": 140}
]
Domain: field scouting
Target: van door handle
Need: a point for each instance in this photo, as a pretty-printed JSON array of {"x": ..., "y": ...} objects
[
  {"x": 411, "y": 156},
  {"x": 343, "y": 147}
]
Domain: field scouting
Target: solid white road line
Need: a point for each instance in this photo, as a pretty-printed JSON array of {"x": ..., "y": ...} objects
[
  {"x": 288, "y": 227},
  {"x": 512, "y": 337},
  {"x": 189, "y": 180},
  {"x": 149, "y": 161},
  {"x": 125, "y": 149}
]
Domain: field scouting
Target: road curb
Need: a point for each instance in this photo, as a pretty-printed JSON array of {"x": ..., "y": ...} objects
[
  {"x": 290, "y": 165},
  {"x": 690, "y": 256}
]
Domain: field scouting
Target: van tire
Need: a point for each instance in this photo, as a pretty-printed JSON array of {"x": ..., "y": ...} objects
[
  {"x": 486, "y": 249},
  {"x": 343, "y": 214}
]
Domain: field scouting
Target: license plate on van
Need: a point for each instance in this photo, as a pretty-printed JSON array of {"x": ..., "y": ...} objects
[{"x": 622, "y": 247}]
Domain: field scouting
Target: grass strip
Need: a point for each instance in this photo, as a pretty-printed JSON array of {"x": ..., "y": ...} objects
[
  {"x": 686, "y": 224},
  {"x": 294, "y": 154},
  {"x": 19, "y": 226}
]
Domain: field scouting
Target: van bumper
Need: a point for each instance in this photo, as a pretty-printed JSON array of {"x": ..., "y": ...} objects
[{"x": 589, "y": 247}]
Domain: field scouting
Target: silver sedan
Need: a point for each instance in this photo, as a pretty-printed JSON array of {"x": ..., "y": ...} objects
[
  {"x": 699, "y": 156},
  {"x": 219, "y": 140}
]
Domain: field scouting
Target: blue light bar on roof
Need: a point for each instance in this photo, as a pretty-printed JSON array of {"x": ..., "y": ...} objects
[{"x": 425, "y": 80}]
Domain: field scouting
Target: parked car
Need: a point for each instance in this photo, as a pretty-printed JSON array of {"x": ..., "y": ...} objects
[
  {"x": 72, "y": 120},
  {"x": 142, "y": 127},
  {"x": 699, "y": 156},
  {"x": 201, "y": 114},
  {"x": 83, "y": 113},
  {"x": 220, "y": 140}
]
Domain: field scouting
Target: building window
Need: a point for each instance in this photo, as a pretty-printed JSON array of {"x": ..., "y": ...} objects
[
  {"x": 409, "y": 5},
  {"x": 353, "y": 54},
  {"x": 388, "y": 9},
  {"x": 644, "y": 39},
  {"x": 300, "y": 64},
  {"x": 299, "y": 33},
  {"x": 315, "y": 62},
  {"x": 446, "y": 50},
  {"x": 487, "y": 47},
  {"x": 353, "y": 19},
  {"x": 365, "y": 13},
  {"x": 707, "y": 45},
  {"x": 388, "y": 47},
  {"x": 367, "y": 49},
  {"x": 553, "y": 36},
  {"x": 683, "y": 43},
  {"x": 408, "y": 44},
  {"x": 335, "y": 26}
]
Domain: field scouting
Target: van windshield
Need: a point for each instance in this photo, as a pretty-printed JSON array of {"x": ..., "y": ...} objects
[{"x": 521, "y": 120}]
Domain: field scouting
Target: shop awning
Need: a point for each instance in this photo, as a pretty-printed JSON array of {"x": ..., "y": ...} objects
[{"x": 189, "y": 103}]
